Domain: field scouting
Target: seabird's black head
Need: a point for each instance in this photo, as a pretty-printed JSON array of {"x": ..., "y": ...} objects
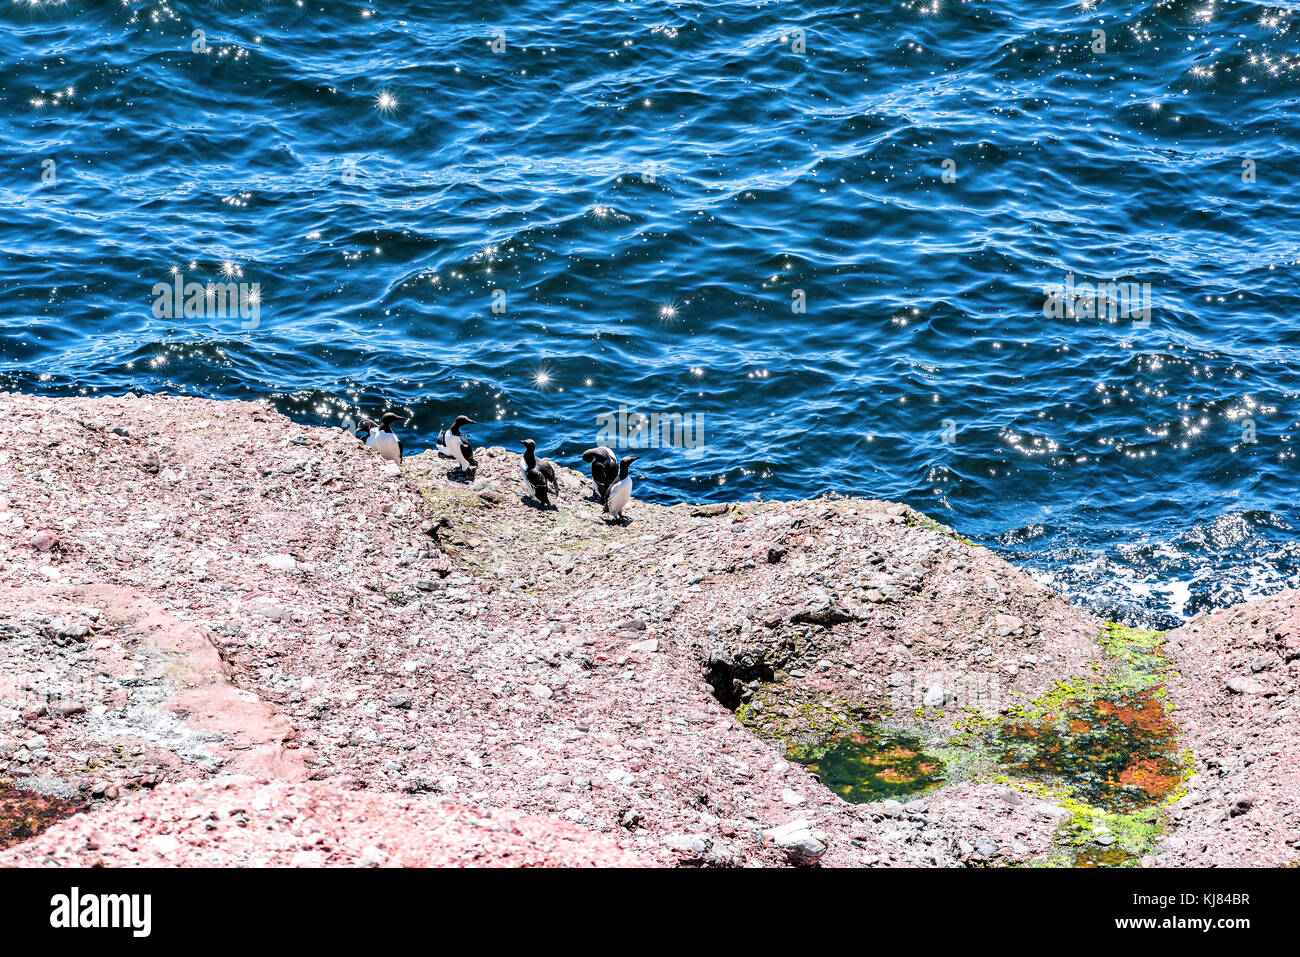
[
  {"x": 463, "y": 420},
  {"x": 625, "y": 464},
  {"x": 530, "y": 445},
  {"x": 389, "y": 418},
  {"x": 366, "y": 425}
]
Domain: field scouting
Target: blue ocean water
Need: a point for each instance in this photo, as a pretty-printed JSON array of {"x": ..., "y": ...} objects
[{"x": 822, "y": 230}]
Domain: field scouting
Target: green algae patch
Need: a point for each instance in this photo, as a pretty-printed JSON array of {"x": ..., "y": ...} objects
[
  {"x": 1104, "y": 748},
  {"x": 800, "y": 722},
  {"x": 1104, "y": 857},
  {"x": 871, "y": 765},
  {"x": 1095, "y": 837},
  {"x": 853, "y": 756},
  {"x": 917, "y": 519},
  {"x": 1135, "y": 656}
]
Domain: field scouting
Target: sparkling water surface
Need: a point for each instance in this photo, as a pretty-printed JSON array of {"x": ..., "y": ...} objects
[{"x": 733, "y": 211}]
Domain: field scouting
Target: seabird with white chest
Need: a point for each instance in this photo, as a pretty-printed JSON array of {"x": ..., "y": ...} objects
[
  {"x": 538, "y": 474},
  {"x": 456, "y": 446},
  {"x": 620, "y": 493},
  {"x": 381, "y": 437},
  {"x": 604, "y": 470}
]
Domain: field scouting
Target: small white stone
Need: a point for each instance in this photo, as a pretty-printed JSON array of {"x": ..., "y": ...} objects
[
  {"x": 1050, "y": 811},
  {"x": 802, "y": 843},
  {"x": 372, "y": 856},
  {"x": 164, "y": 844},
  {"x": 936, "y": 697}
]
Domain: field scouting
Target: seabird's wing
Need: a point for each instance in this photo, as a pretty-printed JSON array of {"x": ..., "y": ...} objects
[
  {"x": 548, "y": 471},
  {"x": 400, "y": 449},
  {"x": 538, "y": 481}
]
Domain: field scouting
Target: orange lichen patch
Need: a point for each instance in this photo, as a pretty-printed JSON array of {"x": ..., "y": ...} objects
[
  {"x": 1142, "y": 712},
  {"x": 1117, "y": 750},
  {"x": 899, "y": 753},
  {"x": 24, "y": 814},
  {"x": 1156, "y": 776},
  {"x": 893, "y": 776},
  {"x": 1022, "y": 731}
]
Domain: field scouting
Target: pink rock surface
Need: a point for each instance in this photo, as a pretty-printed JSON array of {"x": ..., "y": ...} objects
[
  {"x": 1234, "y": 692},
  {"x": 193, "y": 593},
  {"x": 242, "y": 822}
]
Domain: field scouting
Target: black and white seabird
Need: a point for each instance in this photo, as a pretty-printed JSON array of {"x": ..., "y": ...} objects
[
  {"x": 456, "y": 446},
  {"x": 620, "y": 493},
  {"x": 604, "y": 470},
  {"x": 538, "y": 474},
  {"x": 382, "y": 438}
]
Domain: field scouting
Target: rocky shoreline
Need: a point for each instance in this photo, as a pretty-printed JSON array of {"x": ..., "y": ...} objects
[{"x": 229, "y": 639}]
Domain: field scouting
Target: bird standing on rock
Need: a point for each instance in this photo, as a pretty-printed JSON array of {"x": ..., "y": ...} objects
[
  {"x": 604, "y": 470},
  {"x": 537, "y": 473},
  {"x": 456, "y": 446},
  {"x": 620, "y": 493},
  {"x": 381, "y": 436}
]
